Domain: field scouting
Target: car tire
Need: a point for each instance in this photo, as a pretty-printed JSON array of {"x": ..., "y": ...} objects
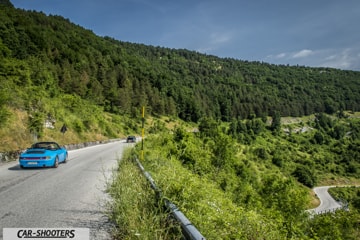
[
  {"x": 66, "y": 158},
  {"x": 56, "y": 162}
]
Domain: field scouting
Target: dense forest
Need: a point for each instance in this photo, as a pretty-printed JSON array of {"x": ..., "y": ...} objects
[{"x": 62, "y": 57}]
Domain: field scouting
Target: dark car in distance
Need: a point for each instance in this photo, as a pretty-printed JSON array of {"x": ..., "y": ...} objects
[{"x": 131, "y": 139}]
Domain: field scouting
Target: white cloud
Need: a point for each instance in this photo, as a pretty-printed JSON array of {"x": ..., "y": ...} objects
[
  {"x": 348, "y": 58},
  {"x": 342, "y": 60},
  {"x": 217, "y": 38},
  {"x": 330, "y": 58},
  {"x": 281, "y": 55},
  {"x": 277, "y": 56},
  {"x": 303, "y": 53}
]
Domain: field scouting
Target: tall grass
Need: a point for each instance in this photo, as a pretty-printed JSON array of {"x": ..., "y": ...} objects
[
  {"x": 16, "y": 135},
  {"x": 135, "y": 209},
  {"x": 209, "y": 208}
]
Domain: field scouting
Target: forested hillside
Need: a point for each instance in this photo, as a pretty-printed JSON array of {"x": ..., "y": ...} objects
[{"x": 61, "y": 57}]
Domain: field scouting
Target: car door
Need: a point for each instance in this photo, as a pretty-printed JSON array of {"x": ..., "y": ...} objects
[{"x": 60, "y": 153}]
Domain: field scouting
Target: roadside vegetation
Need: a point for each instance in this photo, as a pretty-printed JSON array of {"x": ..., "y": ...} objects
[
  {"x": 84, "y": 121},
  {"x": 258, "y": 188},
  {"x": 350, "y": 195},
  {"x": 135, "y": 209}
]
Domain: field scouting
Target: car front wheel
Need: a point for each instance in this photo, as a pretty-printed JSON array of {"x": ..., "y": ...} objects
[{"x": 56, "y": 162}]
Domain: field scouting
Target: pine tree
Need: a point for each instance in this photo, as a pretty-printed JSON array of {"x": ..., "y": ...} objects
[
  {"x": 276, "y": 122},
  {"x": 6, "y": 3}
]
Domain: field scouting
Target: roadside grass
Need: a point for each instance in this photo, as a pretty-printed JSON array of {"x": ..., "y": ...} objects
[
  {"x": 15, "y": 133},
  {"x": 315, "y": 201},
  {"x": 209, "y": 208},
  {"x": 134, "y": 207},
  {"x": 332, "y": 180}
]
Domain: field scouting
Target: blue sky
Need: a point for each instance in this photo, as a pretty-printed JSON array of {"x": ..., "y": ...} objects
[{"x": 317, "y": 33}]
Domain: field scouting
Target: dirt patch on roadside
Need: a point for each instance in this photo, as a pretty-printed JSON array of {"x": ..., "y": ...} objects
[{"x": 315, "y": 201}]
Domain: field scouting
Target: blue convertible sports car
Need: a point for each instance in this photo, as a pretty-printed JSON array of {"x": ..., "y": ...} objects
[{"x": 43, "y": 154}]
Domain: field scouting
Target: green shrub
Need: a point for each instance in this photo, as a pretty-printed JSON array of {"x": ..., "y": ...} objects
[{"x": 305, "y": 176}]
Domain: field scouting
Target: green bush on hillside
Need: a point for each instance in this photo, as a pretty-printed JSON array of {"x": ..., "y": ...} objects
[{"x": 305, "y": 176}]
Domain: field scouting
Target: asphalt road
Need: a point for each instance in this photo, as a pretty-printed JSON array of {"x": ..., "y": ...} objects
[
  {"x": 327, "y": 203},
  {"x": 70, "y": 196}
]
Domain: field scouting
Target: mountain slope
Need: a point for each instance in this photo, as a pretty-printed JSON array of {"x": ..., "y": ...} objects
[{"x": 49, "y": 64}]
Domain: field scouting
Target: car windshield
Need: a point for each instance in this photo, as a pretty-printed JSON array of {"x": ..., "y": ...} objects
[{"x": 46, "y": 145}]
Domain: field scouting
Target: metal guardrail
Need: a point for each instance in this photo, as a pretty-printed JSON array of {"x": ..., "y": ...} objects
[
  {"x": 332, "y": 210},
  {"x": 344, "y": 206},
  {"x": 189, "y": 231}
]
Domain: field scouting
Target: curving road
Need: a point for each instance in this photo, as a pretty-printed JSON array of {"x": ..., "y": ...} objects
[
  {"x": 70, "y": 196},
  {"x": 327, "y": 202}
]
